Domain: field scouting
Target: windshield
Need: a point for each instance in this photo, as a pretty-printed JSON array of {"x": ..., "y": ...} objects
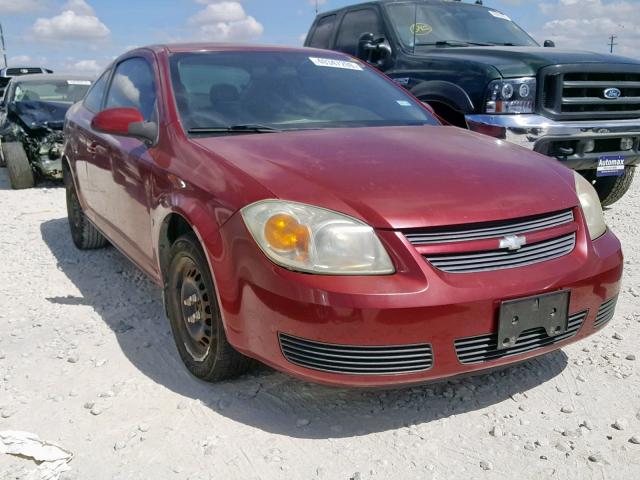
[
  {"x": 62, "y": 91},
  {"x": 455, "y": 25},
  {"x": 285, "y": 91}
]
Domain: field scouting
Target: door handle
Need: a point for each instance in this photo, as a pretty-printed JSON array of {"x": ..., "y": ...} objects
[{"x": 92, "y": 148}]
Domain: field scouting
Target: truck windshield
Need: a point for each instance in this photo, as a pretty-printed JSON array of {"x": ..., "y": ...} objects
[
  {"x": 239, "y": 92},
  {"x": 455, "y": 24}
]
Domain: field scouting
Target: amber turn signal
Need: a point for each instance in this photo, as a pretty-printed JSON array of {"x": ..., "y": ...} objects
[{"x": 284, "y": 233}]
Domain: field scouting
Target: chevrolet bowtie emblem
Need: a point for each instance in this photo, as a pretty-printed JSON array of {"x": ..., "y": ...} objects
[{"x": 513, "y": 242}]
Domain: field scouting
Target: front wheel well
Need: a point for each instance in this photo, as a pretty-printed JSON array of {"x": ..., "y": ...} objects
[
  {"x": 447, "y": 113},
  {"x": 173, "y": 227}
]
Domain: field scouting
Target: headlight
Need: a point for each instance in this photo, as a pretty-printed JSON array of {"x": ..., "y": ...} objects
[
  {"x": 315, "y": 240},
  {"x": 591, "y": 208},
  {"x": 511, "y": 95}
]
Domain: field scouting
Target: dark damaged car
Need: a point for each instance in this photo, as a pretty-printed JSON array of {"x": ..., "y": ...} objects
[{"x": 31, "y": 119}]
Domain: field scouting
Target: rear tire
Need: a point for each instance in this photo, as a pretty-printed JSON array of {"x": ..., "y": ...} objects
[
  {"x": 20, "y": 172},
  {"x": 611, "y": 189},
  {"x": 85, "y": 235},
  {"x": 195, "y": 317}
]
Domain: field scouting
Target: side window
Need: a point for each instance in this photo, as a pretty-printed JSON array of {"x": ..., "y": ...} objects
[
  {"x": 321, "y": 36},
  {"x": 354, "y": 24},
  {"x": 93, "y": 100},
  {"x": 133, "y": 85}
]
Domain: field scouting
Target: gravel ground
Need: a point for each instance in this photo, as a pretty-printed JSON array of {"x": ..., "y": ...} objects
[{"x": 87, "y": 361}]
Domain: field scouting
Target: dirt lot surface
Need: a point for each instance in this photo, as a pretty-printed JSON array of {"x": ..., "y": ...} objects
[{"x": 87, "y": 362}]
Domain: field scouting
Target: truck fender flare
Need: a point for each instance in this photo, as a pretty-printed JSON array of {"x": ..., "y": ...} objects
[{"x": 444, "y": 92}]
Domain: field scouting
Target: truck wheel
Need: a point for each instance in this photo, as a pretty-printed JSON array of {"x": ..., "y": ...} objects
[
  {"x": 85, "y": 236},
  {"x": 195, "y": 316},
  {"x": 20, "y": 172},
  {"x": 612, "y": 189}
]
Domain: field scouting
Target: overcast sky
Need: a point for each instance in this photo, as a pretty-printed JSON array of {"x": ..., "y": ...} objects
[{"x": 85, "y": 35}]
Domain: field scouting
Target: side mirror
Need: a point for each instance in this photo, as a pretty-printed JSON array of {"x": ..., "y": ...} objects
[
  {"x": 374, "y": 51},
  {"x": 549, "y": 43},
  {"x": 127, "y": 122}
]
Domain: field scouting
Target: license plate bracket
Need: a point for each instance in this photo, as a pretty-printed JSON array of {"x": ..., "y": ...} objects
[{"x": 549, "y": 311}]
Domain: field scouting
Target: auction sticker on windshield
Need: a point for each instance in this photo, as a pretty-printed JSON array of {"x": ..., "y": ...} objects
[
  {"x": 499, "y": 15},
  {"x": 610, "y": 166},
  {"x": 334, "y": 63},
  {"x": 78, "y": 82}
]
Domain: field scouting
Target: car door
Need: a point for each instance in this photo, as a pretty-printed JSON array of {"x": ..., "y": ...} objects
[
  {"x": 88, "y": 150},
  {"x": 133, "y": 85}
]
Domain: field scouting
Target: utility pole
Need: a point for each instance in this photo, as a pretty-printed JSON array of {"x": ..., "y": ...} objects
[
  {"x": 611, "y": 44},
  {"x": 4, "y": 52}
]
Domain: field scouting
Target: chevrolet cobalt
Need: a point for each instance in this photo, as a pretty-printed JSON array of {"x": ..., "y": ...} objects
[{"x": 299, "y": 208}]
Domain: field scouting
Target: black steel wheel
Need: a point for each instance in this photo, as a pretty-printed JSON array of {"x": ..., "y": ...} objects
[
  {"x": 195, "y": 317},
  {"x": 85, "y": 236}
]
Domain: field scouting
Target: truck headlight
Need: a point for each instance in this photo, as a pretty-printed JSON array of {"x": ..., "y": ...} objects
[
  {"x": 591, "y": 208},
  {"x": 511, "y": 95},
  {"x": 315, "y": 240}
]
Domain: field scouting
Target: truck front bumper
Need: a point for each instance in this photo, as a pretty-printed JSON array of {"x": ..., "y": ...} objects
[{"x": 569, "y": 142}]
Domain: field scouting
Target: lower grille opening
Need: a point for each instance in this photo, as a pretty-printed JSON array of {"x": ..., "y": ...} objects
[
  {"x": 605, "y": 313},
  {"x": 484, "y": 348},
  {"x": 352, "y": 359}
]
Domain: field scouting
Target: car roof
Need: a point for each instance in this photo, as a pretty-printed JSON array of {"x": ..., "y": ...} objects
[
  {"x": 49, "y": 76},
  {"x": 219, "y": 47}
]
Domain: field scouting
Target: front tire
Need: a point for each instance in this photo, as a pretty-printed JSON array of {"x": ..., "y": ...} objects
[
  {"x": 20, "y": 172},
  {"x": 195, "y": 316},
  {"x": 612, "y": 189},
  {"x": 85, "y": 236}
]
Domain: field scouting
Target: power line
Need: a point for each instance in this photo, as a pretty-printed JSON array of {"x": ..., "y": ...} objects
[{"x": 611, "y": 44}]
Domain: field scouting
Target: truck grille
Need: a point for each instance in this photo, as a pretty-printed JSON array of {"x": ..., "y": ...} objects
[
  {"x": 484, "y": 348},
  {"x": 22, "y": 71},
  {"x": 493, "y": 230},
  {"x": 605, "y": 313},
  {"x": 577, "y": 92},
  {"x": 361, "y": 360}
]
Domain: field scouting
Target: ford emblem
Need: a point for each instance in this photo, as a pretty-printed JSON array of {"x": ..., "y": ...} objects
[{"x": 612, "y": 93}]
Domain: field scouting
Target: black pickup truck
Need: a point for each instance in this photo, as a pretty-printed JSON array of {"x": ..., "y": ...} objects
[{"x": 479, "y": 70}]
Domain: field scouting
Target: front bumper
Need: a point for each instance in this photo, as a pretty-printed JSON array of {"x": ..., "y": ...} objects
[
  {"x": 548, "y": 137},
  {"x": 417, "y": 306},
  {"x": 49, "y": 168}
]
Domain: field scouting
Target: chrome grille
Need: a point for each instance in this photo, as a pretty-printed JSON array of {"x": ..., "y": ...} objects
[
  {"x": 605, "y": 312},
  {"x": 484, "y": 348},
  {"x": 351, "y": 359},
  {"x": 574, "y": 92},
  {"x": 501, "y": 259},
  {"x": 493, "y": 230}
]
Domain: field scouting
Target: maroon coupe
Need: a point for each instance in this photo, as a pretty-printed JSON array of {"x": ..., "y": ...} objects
[{"x": 299, "y": 208}]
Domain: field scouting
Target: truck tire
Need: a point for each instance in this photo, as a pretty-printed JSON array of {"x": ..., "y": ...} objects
[
  {"x": 195, "y": 317},
  {"x": 85, "y": 236},
  {"x": 20, "y": 172},
  {"x": 612, "y": 189}
]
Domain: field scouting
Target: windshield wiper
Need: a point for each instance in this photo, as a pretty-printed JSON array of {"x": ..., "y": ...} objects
[
  {"x": 248, "y": 128},
  {"x": 455, "y": 43}
]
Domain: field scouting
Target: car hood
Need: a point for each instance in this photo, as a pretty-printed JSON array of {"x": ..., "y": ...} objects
[
  {"x": 521, "y": 61},
  {"x": 38, "y": 114},
  {"x": 401, "y": 177}
]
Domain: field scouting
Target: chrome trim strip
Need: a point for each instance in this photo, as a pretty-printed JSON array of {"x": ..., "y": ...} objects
[{"x": 517, "y": 227}]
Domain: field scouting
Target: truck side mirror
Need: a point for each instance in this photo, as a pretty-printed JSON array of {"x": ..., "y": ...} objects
[
  {"x": 374, "y": 51},
  {"x": 549, "y": 43}
]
